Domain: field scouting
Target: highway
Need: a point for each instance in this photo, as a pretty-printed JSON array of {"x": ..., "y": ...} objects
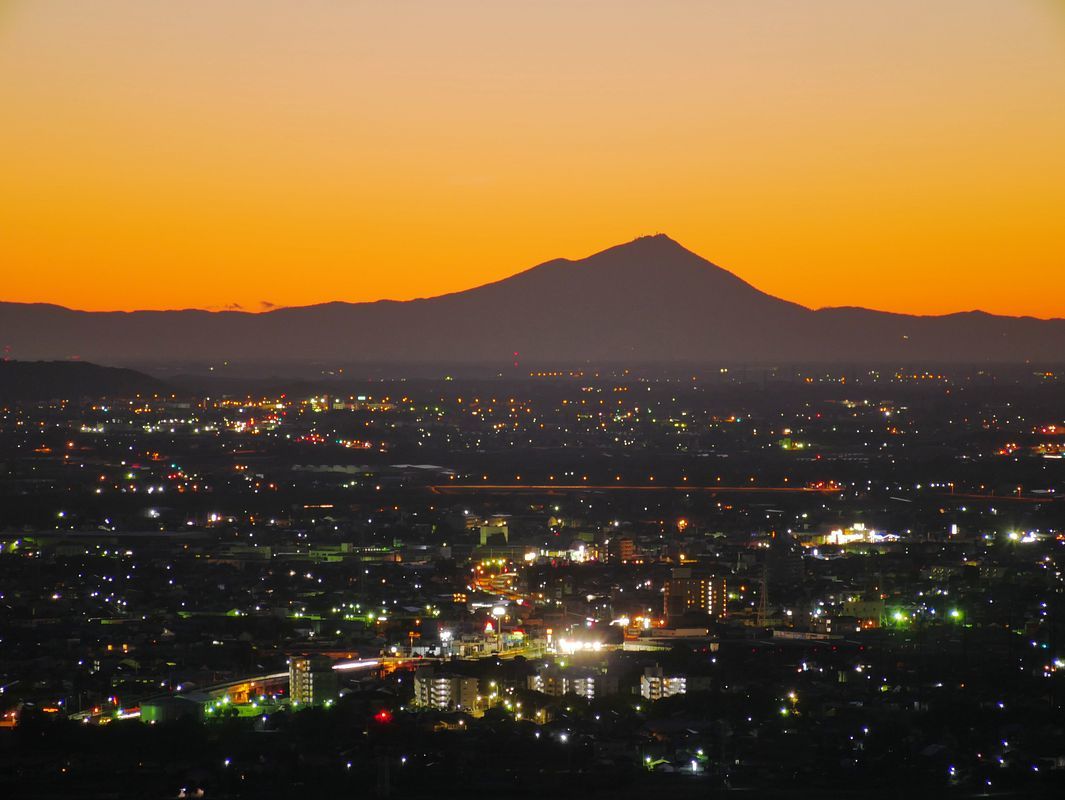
[{"x": 464, "y": 488}]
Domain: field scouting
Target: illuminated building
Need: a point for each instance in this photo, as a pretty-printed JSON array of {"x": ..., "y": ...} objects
[
  {"x": 443, "y": 691},
  {"x": 688, "y": 590},
  {"x": 170, "y": 708},
  {"x": 654, "y": 685},
  {"x": 583, "y": 686},
  {"x": 855, "y": 534},
  {"x": 491, "y": 533},
  {"x": 547, "y": 682},
  {"x": 311, "y": 681},
  {"x": 622, "y": 549},
  {"x": 556, "y": 682},
  {"x": 869, "y": 613}
]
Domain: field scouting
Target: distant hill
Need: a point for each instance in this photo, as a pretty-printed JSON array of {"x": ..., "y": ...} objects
[
  {"x": 647, "y": 301},
  {"x": 68, "y": 380}
]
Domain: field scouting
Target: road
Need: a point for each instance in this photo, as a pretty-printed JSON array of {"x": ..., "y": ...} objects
[{"x": 463, "y": 488}]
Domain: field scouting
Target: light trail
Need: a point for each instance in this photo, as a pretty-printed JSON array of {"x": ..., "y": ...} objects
[
  {"x": 613, "y": 487},
  {"x": 366, "y": 663}
]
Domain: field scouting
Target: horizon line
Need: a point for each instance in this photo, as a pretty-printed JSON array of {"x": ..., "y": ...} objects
[{"x": 267, "y": 307}]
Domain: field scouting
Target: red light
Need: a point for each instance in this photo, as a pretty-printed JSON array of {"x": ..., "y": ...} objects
[{"x": 383, "y": 716}]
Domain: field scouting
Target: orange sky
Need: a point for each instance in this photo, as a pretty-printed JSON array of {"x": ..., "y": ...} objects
[{"x": 906, "y": 155}]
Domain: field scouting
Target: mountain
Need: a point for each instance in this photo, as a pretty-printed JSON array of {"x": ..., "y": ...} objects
[
  {"x": 65, "y": 380},
  {"x": 647, "y": 301}
]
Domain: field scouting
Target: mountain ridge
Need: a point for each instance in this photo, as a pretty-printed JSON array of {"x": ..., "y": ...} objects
[
  {"x": 49, "y": 380},
  {"x": 650, "y": 299}
]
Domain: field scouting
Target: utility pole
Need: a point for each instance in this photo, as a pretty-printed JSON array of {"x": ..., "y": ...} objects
[{"x": 763, "y": 597}]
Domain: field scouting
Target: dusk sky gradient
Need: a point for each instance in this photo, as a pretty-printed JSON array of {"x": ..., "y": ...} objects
[{"x": 905, "y": 155}]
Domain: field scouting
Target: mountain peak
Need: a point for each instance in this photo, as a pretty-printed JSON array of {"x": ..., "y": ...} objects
[
  {"x": 654, "y": 242},
  {"x": 649, "y": 251},
  {"x": 656, "y": 237}
]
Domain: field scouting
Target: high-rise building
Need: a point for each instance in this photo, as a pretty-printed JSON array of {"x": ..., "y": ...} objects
[
  {"x": 621, "y": 549},
  {"x": 556, "y": 682},
  {"x": 443, "y": 691},
  {"x": 654, "y": 684},
  {"x": 311, "y": 680},
  {"x": 690, "y": 590},
  {"x": 580, "y": 685},
  {"x": 548, "y": 681}
]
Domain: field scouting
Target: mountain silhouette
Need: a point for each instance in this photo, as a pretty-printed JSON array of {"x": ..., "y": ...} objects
[
  {"x": 647, "y": 301},
  {"x": 50, "y": 380}
]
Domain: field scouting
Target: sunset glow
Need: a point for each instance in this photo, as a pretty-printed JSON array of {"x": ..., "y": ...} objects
[{"x": 176, "y": 154}]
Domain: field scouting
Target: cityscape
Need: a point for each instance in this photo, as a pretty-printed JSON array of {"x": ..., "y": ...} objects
[
  {"x": 607, "y": 400},
  {"x": 601, "y": 582}
]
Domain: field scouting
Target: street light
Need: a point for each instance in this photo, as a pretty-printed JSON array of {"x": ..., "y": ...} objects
[{"x": 499, "y": 612}]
